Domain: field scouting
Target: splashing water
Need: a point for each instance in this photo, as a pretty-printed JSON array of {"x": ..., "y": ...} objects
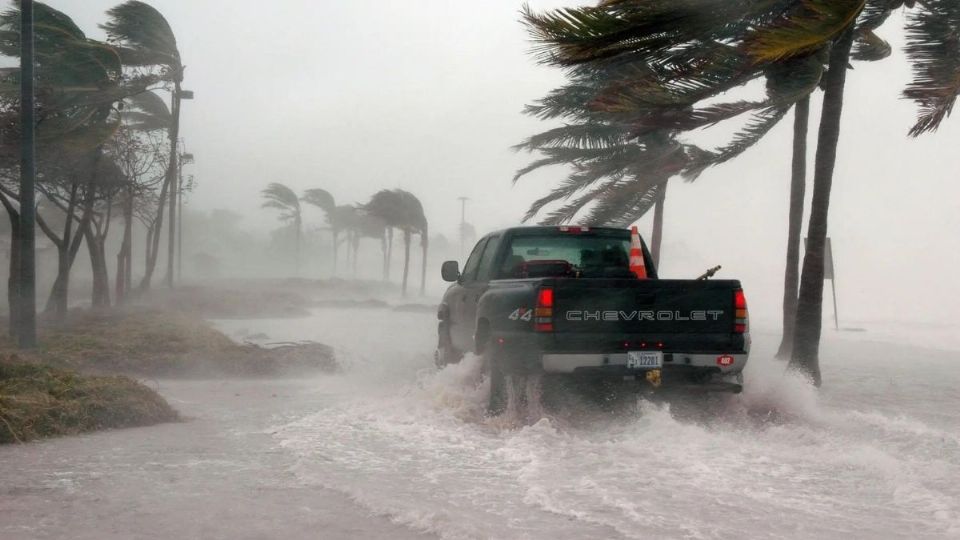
[{"x": 781, "y": 460}]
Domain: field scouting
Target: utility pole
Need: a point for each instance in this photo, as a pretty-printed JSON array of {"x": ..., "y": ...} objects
[
  {"x": 185, "y": 159},
  {"x": 463, "y": 221},
  {"x": 178, "y": 96},
  {"x": 27, "y": 302}
]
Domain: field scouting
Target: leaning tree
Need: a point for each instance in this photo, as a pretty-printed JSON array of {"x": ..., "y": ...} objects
[
  {"x": 402, "y": 210},
  {"x": 144, "y": 39},
  {"x": 282, "y": 198}
]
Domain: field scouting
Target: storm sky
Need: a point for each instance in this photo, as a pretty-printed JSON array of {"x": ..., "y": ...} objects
[{"x": 355, "y": 96}]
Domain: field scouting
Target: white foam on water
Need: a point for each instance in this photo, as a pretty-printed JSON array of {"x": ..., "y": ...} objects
[{"x": 779, "y": 461}]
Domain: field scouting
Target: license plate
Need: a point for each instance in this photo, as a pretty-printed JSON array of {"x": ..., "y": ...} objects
[{"x": 644, "y": 360}]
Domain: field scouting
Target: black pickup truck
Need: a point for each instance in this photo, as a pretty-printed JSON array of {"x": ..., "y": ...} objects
[{"x": 566, "y": 301}]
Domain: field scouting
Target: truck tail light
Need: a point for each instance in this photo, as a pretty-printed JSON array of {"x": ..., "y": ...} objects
[
  {"x": 543, "y": 315},
  {"x": 741, "y": 321}
]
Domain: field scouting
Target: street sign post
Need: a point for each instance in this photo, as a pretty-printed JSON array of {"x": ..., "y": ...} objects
[{"x": 829, "y": 272}]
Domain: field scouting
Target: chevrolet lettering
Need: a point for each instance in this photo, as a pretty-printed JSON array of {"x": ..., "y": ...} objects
[{"x": 610, "y": 316}]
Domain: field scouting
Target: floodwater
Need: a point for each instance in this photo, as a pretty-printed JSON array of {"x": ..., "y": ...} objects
[{"x": 392, "y": 448}]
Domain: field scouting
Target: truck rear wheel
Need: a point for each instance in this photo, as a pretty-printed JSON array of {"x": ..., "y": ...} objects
[
  {"x": 497, "y": 398},
  {"x": 446, "y": 353}
]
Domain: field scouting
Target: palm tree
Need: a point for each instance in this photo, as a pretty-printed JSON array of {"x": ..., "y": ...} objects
[
  {"x": 798, "y": 175},
  {"x": 323, "y": 200},
  {"x": 144, "y": 38},
  {"x": 672, "y": 38},
  {"x": 386, "y": 205},
  {"x": 363, "y": 225},
  {"x": 80, "y": 84},
  {"x": 145, "y": 113},
  {"x": 402, "y": 210},
  {"x": 282, "y": 198}
]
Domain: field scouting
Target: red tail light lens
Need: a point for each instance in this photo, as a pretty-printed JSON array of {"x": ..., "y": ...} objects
[
  {"x": 741, "y": 321},
  {"x": 543, "y": 316},
  {"x": 545, "y": 298}
]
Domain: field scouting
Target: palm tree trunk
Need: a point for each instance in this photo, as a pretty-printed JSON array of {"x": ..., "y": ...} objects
[
  {"x": 657, "y": 239},
  {"x": 406, "y": 261},
  {"x": 100, "y": 297},
  {"x": 153, "y": 243},
  {"x": 336, "y": 249},
  {"x": 355, "y": 245},
  {"x": 147, "y": 243},
  {"x": 798, "y": 180},
  {"x": 386, "y": 261},
  {"x": 424, "y": 243},
  {"x": 806, "y": 344},
  {"x": 13, "y": 278},
  {"x": 171, "y": 181},
  {"x": 383, "y": 252},
  {"x": 59, "y": 294},
  {"x": 297, "y": 224},
  {"x": 125, "y": 256}
]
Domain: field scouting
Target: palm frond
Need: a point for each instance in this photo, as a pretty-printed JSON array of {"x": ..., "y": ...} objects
[
  {"x": 572, "y": 36},
  {"x": 281, "y": 197},
  {"x": 584, "y": 135},
  {"x": 758, "y": 126},
  {"x": 144, "y": 34},
  {"x": 869, "y": 47},
  {"x": 809, "y": 25},
  {"x": 625, "y": 203},
  {"x": 320, "y": 198},
  {"x": 568, "y": 212},
  {"x": 933, "y": 48}
]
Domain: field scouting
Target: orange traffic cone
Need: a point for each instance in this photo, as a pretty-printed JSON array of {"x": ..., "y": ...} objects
[{"x": 637, "y": 265}]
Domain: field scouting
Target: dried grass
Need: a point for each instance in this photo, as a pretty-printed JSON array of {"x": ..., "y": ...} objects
[{"x": 39, "y": 401}]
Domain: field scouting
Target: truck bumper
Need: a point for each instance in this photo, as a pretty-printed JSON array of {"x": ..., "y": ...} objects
[
  {"x": 698, "y": 368},
  {"x": 617, "y": 362},
  {"x": 698, "y": 372}
]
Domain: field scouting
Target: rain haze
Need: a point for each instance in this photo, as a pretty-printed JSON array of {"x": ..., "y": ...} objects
[{"x": 344, "y": 419}]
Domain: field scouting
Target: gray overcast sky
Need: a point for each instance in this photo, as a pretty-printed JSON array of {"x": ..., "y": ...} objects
[{"x": 358, "y": 95}]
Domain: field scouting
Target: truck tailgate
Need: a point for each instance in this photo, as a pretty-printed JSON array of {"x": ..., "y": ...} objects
[{"x": 645, "y": 307}]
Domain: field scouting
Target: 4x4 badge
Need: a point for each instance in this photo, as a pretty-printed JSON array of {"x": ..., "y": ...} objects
[{"x": 521, "y": 314}]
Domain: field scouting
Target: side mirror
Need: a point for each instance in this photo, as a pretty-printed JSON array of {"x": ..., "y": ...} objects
[{"x": 450, "y": 271}]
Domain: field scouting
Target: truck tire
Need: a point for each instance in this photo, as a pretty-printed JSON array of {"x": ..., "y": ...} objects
[
  {"x": 446, "y": 353},
  {"x": 497, "y": 398}
]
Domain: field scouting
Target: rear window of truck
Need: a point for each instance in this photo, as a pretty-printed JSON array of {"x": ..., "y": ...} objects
[{"x": 566, "y": 255}]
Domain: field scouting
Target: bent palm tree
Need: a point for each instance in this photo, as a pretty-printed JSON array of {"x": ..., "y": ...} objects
[
  {"x": 402, "y": 210},
  {"x": 144, "y": 38},
  {"x": 282, "y": 198},
  {"x": 323, "y": 200},
  {"x": 703, "y": 55}
]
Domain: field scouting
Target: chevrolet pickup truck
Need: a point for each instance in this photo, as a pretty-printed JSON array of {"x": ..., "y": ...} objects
[{"x": 566, "y": 301}]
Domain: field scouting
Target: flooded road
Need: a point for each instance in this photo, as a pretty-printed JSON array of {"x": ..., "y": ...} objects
[{"x": 394, "y": 449}]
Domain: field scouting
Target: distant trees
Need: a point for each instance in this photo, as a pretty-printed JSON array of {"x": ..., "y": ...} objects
[
  {"x": 386, "y": 211},
  {"x": 401, "y": 210},
  {"x": 642, "y": 70}
]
